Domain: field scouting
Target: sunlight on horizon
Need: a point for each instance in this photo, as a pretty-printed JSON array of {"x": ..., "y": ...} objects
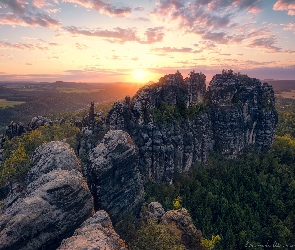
[{"x": 140, "y": 76}]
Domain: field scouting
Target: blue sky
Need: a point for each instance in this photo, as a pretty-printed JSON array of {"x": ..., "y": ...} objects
[{"x": 139, "y": 41}]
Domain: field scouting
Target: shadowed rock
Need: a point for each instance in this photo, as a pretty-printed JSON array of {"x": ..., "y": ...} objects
[
  {"x": 95, "y": 233},
  {"x": 113, "y": 175},
  {"x": 54, "y": 203}
]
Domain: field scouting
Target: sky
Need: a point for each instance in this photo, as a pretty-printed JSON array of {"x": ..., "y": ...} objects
[{"x": 142, "y": 40}]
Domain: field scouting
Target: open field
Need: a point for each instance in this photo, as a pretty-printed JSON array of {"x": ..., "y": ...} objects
[
  {"x": 289, "y": 94},
  {"x": 4, "y": 103},
  {"x": 77, "y": 90}
]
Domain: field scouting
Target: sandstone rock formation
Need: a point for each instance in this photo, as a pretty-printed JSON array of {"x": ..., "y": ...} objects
[
  {"x": 55, "y": 155},
  {"x": 179, "y": 223},
  {"x": 39, "y": 121},
  {"x": 54, "y": 203},
  {"x": 95, "y": 233},
  {"x": 176, "y": 122},
  {"x": 14, "y": 129},
  {"x": 154, "y": 211},
  {"x": 113, "y": 175},
  {"x": 243, "y": 113}
]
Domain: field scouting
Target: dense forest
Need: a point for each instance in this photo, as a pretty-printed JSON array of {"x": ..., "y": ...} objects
[{"x": 249, "y": 201}]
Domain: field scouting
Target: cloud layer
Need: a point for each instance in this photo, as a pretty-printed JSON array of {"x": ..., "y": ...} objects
[{"x": 121, "y": 35}]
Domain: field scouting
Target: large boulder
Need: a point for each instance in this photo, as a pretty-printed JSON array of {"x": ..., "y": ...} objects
[
  {"x": 52, "y": 156},
  {"x": 95, "y": 233},
  {"x": 113, "y": 175},
  {"x": 54, "y": 203}
]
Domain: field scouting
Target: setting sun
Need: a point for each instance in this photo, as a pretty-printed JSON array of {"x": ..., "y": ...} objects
[{"x": 140, "y": 76}]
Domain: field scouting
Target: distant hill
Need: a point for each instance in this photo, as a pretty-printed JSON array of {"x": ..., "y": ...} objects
[{"x": 281, "y": 85}]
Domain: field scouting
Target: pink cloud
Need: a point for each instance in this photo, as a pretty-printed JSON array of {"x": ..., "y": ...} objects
[
  {"x": 24, "y": 14},
  {"x": 26, "y": 46},
  {"x": 120, "y": 35},
  {"x": 153, "y": 35},
  {"x": 285, "y": 5},
  {"x": 40, "y": 3},
  {"x": 103, "y": 7},
  {"x": 212, "y": 20},
  {"x": 289, "y": 26},
  {"x": 267, "y": 43},
  {"x": 171, "y": 50},
  {"x": 17, "y": 6}
]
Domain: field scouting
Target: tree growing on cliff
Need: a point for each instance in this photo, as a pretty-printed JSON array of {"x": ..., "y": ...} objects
[{"x": 156, "y": 236}]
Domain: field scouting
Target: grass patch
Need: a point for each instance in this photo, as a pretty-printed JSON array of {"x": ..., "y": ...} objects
[
  {"x": 74, "y": 90},
  {"x": 290, "y": 94},
  {"x": 4, "y": 103}
]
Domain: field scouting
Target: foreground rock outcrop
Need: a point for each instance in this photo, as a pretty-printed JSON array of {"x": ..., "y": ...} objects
[
  {"x": 113, "y": 175},
  {"x": 55, "y": 155},
  {"x": 95, "y": 233},
  {"x": 54, "y": 203}
]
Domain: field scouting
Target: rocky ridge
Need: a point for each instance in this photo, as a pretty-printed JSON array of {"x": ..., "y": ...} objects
[{"x": 176, "y": 122}]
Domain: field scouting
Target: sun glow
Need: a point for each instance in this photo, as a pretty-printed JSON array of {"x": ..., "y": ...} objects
[{"x": 140, "y": 76}]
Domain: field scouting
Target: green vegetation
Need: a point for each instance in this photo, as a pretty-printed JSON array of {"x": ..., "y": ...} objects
[
  {"x": 166, "y": 113},
  {"x": 210, "y": 244},
  {"x": 250, "y": 199},
  {"x": 4, "y": 103},
  {"x": 76, "y": 90},
  {"x": 156, "y": 236},
  {"x": 18, "y": 151}
]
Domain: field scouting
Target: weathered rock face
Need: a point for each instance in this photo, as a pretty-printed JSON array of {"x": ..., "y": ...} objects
[
  {"x": 178, "y": 222},
  {"x": 173, "y": 145},
  {"x": 55, "y": 155},
  {"x": 243, "y": 113},
  {"x": 95, "y": 233},
  {"x": 176, "y": 122},
  {"x": 54, "y": 203},
  {"x": 113, "y": 175},
  {"x": 39, "y": 121}
]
